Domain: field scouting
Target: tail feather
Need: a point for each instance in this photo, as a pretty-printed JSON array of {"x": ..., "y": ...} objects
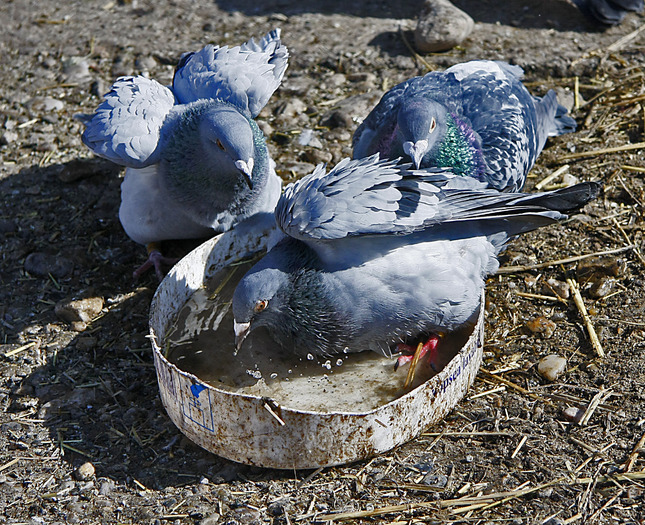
[{"x": 552, "y": 118}]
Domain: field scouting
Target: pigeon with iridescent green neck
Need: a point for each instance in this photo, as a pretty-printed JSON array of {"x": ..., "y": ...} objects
[
  {"x": 476, "y": 118},
  {"x": 197, "y": 162}
]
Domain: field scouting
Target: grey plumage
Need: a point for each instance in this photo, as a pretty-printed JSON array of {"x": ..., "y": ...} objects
[
  {"x": 375, "y": 253},
  {"x": 197, "y": 161},
  {"x": 476, "y": 118}
]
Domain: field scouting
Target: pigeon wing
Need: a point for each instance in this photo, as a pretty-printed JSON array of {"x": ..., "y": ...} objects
[
  {"x": 245, "y": 76},
  {"x": 126, "y": 126},
  {"x": 374, "y": 197}
]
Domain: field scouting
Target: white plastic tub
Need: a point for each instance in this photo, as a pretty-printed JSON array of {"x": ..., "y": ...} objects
[{"x": 260, "y": 430}]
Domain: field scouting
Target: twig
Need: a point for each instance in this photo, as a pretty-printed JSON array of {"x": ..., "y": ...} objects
[
  {"x": 415, "y": 55},
  {"x": 577, "y": 299},
  {"x": 541, "y": 297},
  {"x": 468, "y": 434},
  {"x": 551, "y": 177},
  {"x": 638, "y": 448},
  {"x": 413, "y": 366},
  {"x": 599, "y": 398},
  {"x": 593, "y": 153},
  {"x": 626, "y": 237},
  {"x": 19, "y": 349},
  {"x": 637, "y": 169},
  {"x": 618, "y": 44},
  {"x": 519, "y": 446},
  {"x": 524, "y": 268}
]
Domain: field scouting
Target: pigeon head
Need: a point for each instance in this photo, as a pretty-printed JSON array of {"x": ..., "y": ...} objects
[
  {"x": 228, "y": 140},
  {"x": 261, "y": 299},
  {"x": 421, "y": 126}
]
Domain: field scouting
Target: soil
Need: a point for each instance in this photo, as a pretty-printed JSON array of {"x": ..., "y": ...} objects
[{"x": 77, "y": 382}]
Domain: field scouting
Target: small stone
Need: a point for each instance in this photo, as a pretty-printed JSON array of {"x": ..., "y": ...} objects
[
  {"x": 43, "y": 264},
  {"x": 290, "y": 109},
  {"x": 246, "y": 515},
  {"x": 85, "y": 343},
  {"x": 45, "y": 104},
  {"x": 602, "y": 287},
  {"x": 560, "y": 288},
  {"x": 76, "y": 69},
  {"x": 441, "y": 26},
  {"x": 438, "y": 481},
  {"x": 541, "y": 325},
  {"x": 316, "y": 156},
  {"x": 145, "y": 63},
  {"x": 551, "y": 366},
  {"x": 8, "y": 137},
  {"x": 599, "y": 266},
  {"x": 337, "y": 119},
  {"x": 79, "y": 326},
  {"x": 82, "y": 310},
  {"x": 85, "y": 472},
  {"x": 212, "y": 519}
]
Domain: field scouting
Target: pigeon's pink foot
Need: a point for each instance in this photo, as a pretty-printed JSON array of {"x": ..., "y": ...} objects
[
  {"x": 156, "y": 260},
  {"x": 430, "y": 348}
]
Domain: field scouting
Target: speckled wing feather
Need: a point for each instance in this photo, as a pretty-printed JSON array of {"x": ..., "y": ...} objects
[
  {"x": 126, "y": 126},
  {"x": 245, "y": 75},
  {"x": 372, "y": 197}
]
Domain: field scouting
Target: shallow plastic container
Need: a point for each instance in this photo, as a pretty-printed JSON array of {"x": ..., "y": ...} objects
[{"x": 261, "y": 430}]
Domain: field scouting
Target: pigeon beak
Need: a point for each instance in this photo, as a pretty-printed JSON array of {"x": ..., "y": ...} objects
[
  {"x": 247, "y": 169},
  {"x": 241, "y": 331},
  {"x": 416, "y": 150}
]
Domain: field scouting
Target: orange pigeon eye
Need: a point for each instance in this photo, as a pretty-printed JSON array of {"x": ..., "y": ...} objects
[
  {"x": 433, "y": 124},
  {"x": 219, "y": 144},
  {"x": 261, "y": 305}
]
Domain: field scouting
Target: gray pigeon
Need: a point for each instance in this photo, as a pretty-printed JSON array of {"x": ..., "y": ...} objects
[
  {"x": 376, "y": 254},
  {"x": 476, "y": 118},
  {"x": 197, "y": 161}
]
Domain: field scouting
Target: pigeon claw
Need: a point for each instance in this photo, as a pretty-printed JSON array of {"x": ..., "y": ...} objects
[
  {"x": 155, "y": 260},
  {"x": 429, "y": 348}
]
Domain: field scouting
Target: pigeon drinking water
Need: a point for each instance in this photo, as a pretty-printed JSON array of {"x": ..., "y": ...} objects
[
  {"x": 476, "y": 118},
  {"x": 375, "y": 254},
  {"x": 197, "y": 162}
]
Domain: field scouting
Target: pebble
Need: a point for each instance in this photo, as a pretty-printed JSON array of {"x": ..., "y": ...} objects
[
  {"x": 76, "y": 69},
  {"x": 560, "y": 288},
  {"x": 85, "y": 343},
  {"x": 82, "y": 310},
  {"x": 43, "y": 264},
  {"x": 246, "y": 515},
  {"x": 602, "y": 287},
  {"x": 552, "y": 366},
  {"x": 8, "y": 137},
  {"x": 599, "y": 266},
  {"x": 316, "y": 156},
  {"x": 441, "y": 26},
  {"x": 438, "y": 481},
  {"x": 45, "y": 104},
  {"x": 212, "y": 519},
  {"x": 85, "y": 472},
  {"x": 308, "y": 138},
  {"x": 337, "y": 119},
  {"x": 541, "y": 325}
]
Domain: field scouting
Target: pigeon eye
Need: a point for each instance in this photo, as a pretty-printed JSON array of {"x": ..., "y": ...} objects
[
  {"x": 219, "y": 144},
  {"x": 433, "y": 124},
  {"x": 260, "y": 305}
]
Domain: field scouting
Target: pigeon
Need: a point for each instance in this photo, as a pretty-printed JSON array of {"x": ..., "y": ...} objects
[
  {"x": 375, "y": 253},
  {"x": 475, "y": 117},
  {"x": 609, "y": 12},
  {"x": 197, "y": 162}
]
